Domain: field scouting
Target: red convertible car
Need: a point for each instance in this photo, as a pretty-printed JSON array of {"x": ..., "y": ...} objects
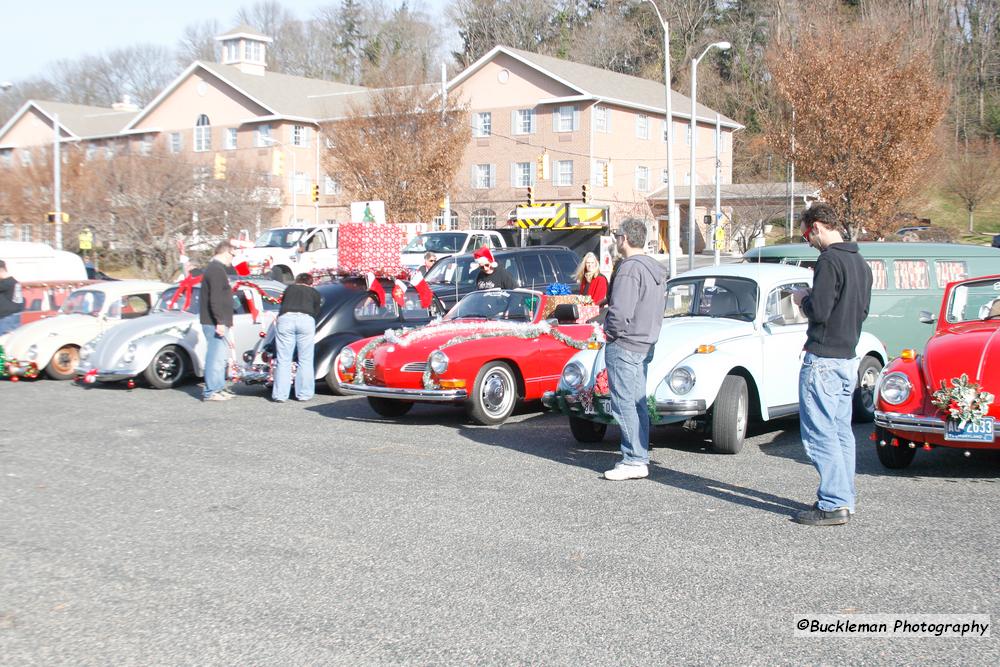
[
  {"x": 945, "y": 397},
  {"x": 491, "y": 349}
]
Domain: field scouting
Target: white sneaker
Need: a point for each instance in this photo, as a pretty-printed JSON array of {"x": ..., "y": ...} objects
[{"x": 623, "y": 471}]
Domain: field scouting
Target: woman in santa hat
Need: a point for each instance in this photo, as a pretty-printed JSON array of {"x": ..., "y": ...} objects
[{"x": 491, "y": 275}]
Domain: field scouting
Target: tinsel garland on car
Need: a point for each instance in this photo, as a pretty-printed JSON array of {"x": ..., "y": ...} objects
[{"x": 964, "y": 401}]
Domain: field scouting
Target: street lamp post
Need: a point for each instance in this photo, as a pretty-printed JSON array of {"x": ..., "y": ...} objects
[
  {"x": 295, "y": 176},
  {"x": 673, "y": 224},
  {"x": 694, "y": 135}
]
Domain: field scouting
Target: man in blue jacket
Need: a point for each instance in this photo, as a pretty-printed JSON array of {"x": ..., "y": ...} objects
[
  {"x": 632, "y": 325},
  {"x": 836, "y": 306}
]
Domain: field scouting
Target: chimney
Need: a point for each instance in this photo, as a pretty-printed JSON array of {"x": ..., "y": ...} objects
[{"x": 125, "y": 105}]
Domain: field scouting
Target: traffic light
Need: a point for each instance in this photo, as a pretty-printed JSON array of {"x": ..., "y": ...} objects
[
  {"x": 604, "y": 174},
  {"x": 315, "y": 192},
  {"x": 220, "y": 167},
  {"x": 542, "y": 166},
  {"x": 586, "y": 193},
  {"x": 51, "y": 216},
  {"x": 531, "y": 195},
  {"x": 277, "y": 163}
]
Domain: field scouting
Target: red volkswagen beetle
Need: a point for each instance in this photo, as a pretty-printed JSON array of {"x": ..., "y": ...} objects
[
  {"x": 493, "y": 348},
  {"x": 946, "y": 396}
]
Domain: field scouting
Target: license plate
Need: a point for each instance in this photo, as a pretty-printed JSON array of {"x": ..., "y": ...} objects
[{"x": 981, "y": 432}]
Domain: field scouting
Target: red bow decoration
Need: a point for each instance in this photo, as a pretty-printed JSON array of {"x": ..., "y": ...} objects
[
  {"x": 185, "y": 287},
  {"x": 242, "y": 269},
  {"x": 375, "y": 287}
]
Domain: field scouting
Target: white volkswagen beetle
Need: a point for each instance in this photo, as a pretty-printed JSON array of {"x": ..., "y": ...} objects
[
  {"x": 729, "y": 351},
  {"x": 53, "y": 344}
]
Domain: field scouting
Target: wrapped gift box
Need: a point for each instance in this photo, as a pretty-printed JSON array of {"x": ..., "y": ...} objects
[
  {"x": 584, "y": 306},
  {"x": 364, "y": 247}
]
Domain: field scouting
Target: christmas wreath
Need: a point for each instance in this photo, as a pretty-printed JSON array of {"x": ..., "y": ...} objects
[{"x": 964, "y": 401}]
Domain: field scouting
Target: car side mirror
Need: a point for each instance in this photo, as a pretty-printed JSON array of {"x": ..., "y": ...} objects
[
  {"x": 566, "y": 313},
  {"x": 926, "y": 317},
  {"x": 777, "y": 319}
]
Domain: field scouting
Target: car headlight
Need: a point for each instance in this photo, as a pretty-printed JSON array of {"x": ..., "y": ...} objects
[
  {"x": 86, "y": 351},
  {"x": 438, "y": 362},
  {"x": 347, "y": 359},
  {"x": 32, "y": 352},
  {"x": 895, "y": 388},
  {"x": 574, "y": 375},
  {"x": 129, "y": 355},
  {"x": 681, "y": 380}
]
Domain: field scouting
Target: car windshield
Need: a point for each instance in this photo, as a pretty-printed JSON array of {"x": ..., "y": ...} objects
[
  {"x": 164, "y": 304},
  {"x": 974, "y": 300},
  {"x": 712, "y": 296},
  {"x": 497, "y": 305},
  {"x": 83, "y": 302},
  {"x": 278, "y": 238},
  {"x": 436, "y": 242},
  {"x": 450, "y": 272}
]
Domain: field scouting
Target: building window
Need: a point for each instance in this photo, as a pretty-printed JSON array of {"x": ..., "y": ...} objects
[
  {"x": 602, "y": 119},
  {"x": 483, "y": 218},
  {"x": 331, "y": 186},
  {"x": 601, "y": 177},
  {"x": 7, "y": 157},
  {"x": 564, "y": 119},
  {"x": 642, "y": 126},
  {"x": 90, "y": 152},
  {"x": 109, "y": 151},
  {"x": 25, "y": 157},
  {"x": 483, "y": 176},
  {"x": 145, "y": 145},
  {"x": 231, "y": 138},
  {"x": 438, "y": 222},
  {"x": 522, "y": 174},
  {"x": 175, "y": 142},
  {"x": 524, "y": 121},
  {"x": 300, "y": 135},
  {"x": 8, "y": 231},
  {"x": 948, "y": 271},
  {"x": 263, "y": 136},
  {"x": 564, "y": 172},
  {"x": 483, "y": 126},
  {"x": 232, "y": 47},
  {"x": 26, "y": 233},
  {"x": 202, "y": 134},
  {"x": 255, "y": 52},
  {"x": 642, "y": 179}
]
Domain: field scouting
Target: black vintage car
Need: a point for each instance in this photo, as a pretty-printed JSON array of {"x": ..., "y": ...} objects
[
  {"x": 349, "y": 313},
  {"x": 534, "y": 267}
]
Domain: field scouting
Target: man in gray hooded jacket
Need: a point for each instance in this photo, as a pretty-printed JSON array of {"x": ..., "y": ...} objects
[{"x": 635, "y": 313}]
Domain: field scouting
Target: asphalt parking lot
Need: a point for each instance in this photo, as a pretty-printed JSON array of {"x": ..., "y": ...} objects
[{"x": 145, "y": 527}]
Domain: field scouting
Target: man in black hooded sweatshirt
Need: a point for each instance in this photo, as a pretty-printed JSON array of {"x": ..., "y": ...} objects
[{"x": 836, "y": 306}]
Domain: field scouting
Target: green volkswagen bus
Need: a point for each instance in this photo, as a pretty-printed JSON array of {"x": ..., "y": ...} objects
[{"x": 908, "y": 281}]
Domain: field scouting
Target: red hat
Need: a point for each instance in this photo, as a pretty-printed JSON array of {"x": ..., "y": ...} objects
[{"x": 482, "y": 257}]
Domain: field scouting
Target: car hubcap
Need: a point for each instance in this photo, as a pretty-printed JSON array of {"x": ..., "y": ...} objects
[
  {"x": 496, "y": 393},
  {"x": 167, "y": 366},
  {"x": 741, "y": 416},
  {"x": 868, "y": 388},
  {"x": 65, "y": 360}
]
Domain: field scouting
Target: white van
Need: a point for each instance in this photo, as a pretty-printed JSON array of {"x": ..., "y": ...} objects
[{"x": 36, "y": 262}]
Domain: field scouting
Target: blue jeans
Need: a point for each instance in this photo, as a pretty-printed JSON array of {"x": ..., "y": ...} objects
[
  {"x": 215, "y": 360},
  {"x": 826, "y": 393},
  {"x": 9, "y": 322},
  {"x": 627, "y": 383},
  {"x": 295, "y": 331}
]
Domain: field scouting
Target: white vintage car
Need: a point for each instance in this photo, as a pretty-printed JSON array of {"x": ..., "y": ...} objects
[
  {"x": 729, "y": 351},
  {"x": 53, "y": 344},
  {"x": 168, "y": 346}
]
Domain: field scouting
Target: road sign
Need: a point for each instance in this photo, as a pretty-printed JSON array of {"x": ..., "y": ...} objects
[{"x": 368, "y": 211}]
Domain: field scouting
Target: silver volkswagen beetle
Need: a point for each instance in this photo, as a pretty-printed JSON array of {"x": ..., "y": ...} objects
[{"x": 167, "y": 346}]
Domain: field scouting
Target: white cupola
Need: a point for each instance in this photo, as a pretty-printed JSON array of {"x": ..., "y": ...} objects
[{"x": 245, "y": 49}]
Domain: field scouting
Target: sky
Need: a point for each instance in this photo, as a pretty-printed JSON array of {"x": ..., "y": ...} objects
[{"x": 36, "y": 34}]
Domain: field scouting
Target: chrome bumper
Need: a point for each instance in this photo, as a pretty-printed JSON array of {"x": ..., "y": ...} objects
[
  {"x": 909, "y": 423},
  {"x": 255, "y": 375},
  {"x": 113, "y": 375},
  {"x": 431, "y": 395},
  {"x": 671, "y": 408}
]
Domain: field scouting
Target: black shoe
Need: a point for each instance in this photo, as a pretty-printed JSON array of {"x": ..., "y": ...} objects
[{"x": 817, "y": 517}]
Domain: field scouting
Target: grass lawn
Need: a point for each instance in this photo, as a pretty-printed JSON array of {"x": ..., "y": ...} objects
[{"x": 945, "y": 210}]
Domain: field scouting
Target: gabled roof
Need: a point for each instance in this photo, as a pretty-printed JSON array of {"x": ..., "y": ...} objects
[
  {"x": 601, "y": 85},
  {"x": 79, "y": 121},
  {"x": 282, "y": 95}
]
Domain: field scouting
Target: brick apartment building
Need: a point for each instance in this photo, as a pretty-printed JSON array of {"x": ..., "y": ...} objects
[{"x": 587, "y": 125}]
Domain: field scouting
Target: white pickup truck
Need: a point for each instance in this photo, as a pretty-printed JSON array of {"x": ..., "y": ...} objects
[
  {"x": 284, "y": 252},
  {"x": 446, "y": 244}
]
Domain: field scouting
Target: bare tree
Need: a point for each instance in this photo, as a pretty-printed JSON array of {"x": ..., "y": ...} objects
[
  {"x": 974, "y": 177},
  {"x": 399, "y": 148},
  {"x": 748, "y": 221},
  {"x": 198, "y": 42}
]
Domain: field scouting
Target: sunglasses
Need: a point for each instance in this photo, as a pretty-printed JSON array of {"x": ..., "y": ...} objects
[{"x": 807, "y": 234}]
